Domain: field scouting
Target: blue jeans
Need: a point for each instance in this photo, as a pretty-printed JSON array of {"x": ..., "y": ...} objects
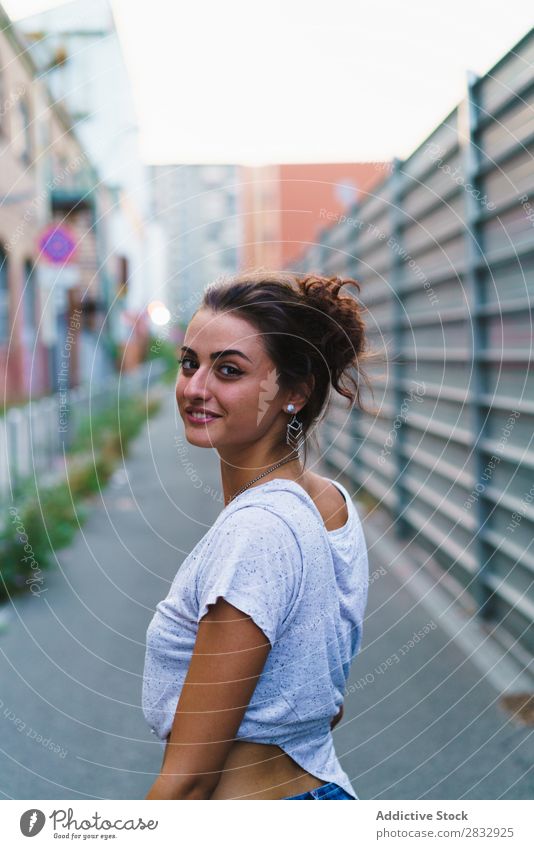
[{"x": 325, "y": 791}]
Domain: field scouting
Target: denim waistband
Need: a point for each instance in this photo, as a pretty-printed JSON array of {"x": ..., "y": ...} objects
[{"x": 325, "y": 791}]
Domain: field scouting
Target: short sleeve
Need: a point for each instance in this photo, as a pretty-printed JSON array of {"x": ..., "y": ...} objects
[{"x": 254, "y": 562}]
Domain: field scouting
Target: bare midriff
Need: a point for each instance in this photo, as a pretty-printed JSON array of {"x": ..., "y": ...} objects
[
  {"x": 262, "y": 771},
  {"x": 258, "y": 770}
]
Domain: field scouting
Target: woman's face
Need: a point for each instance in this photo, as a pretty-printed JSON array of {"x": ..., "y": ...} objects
[{"x": 237, "y": 393}]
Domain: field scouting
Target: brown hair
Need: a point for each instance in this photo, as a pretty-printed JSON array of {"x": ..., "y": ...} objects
[{"x": 307, "y": 328}]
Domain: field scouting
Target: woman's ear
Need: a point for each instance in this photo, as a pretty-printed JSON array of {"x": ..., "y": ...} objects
[{"x": 301, "y": 394}]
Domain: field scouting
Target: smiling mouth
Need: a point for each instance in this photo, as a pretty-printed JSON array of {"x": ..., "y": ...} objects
[{"x": 201, "y": 418}]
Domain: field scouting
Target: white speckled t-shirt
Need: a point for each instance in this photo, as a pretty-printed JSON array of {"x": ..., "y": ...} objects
[{"x": 269, "y": 554}]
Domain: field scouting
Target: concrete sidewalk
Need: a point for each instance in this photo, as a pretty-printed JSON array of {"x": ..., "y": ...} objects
[
  {"x": 423, "y": 717},
  {"x": 421, "y": 721}
]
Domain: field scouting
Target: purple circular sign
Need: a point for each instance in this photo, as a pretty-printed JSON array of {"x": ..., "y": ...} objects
[{"x": 57, "y": 245}]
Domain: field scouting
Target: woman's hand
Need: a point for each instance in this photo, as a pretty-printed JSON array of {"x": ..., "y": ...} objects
[
  {"x": 228, "y": 658},
  {"x": 337, "y": 718}
]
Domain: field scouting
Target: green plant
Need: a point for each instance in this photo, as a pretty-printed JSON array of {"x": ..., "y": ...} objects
[
  {"x": 44, "y": 519},
  {"x": 115, "y": 425}
]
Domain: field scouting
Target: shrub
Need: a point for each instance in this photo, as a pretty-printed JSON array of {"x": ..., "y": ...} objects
[{"x": 46, "y": 518}]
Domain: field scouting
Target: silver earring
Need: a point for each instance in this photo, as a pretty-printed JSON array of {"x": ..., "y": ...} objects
[{"x": 294, "y": 435}]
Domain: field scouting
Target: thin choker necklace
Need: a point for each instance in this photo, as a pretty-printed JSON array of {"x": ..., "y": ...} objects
[{"x": 243, "y": 488}]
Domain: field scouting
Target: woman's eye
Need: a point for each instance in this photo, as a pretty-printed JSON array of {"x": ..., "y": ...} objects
[
  {"x": 234, "y": 372},
  {"x": 182, "y": 360}
]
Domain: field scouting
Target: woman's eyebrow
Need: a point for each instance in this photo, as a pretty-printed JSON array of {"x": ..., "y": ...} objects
[{"x": 228, "y": 352}]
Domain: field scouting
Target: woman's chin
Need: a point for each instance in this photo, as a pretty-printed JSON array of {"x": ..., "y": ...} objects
[{"x": 199, "y": 437}]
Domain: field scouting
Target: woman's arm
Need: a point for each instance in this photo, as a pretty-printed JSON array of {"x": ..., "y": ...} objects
[{"x": 228, "y": 658}]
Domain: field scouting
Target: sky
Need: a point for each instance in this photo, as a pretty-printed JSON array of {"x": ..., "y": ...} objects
[{"x": 301, "y": 80}]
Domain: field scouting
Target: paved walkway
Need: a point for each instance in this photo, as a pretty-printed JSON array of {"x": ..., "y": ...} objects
[{"x": 420, "y": 720}]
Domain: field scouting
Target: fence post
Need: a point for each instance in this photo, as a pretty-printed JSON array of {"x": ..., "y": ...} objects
[
  {"x": 355, "y": 413},
  {"x": 474, "y": 278},
  {"x": 402, "y": 528}
]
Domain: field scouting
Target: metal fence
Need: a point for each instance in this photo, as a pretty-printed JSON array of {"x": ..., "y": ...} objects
[
  {"x": 444, "y": 250},
  {"x": 33, "y": 438}
]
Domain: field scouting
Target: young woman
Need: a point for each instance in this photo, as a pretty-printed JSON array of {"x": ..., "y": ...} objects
[{"x": 248, "y": 656}]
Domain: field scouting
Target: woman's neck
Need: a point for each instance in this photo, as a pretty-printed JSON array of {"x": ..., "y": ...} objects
[{"x": 236, "y": 476}]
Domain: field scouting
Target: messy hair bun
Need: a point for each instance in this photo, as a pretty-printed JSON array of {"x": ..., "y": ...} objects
[
  {"x": 339, "y": 328},
  {"x": 308, "y": 329}
]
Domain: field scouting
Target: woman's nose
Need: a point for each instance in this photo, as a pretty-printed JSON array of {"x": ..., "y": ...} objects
[{"x": 196, "y": 384}]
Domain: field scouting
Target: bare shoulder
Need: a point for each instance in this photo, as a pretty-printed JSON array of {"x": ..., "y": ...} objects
[{"x": 328, "y": 500}]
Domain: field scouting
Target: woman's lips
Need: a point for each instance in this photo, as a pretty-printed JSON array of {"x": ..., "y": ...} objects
[{"x": 199, "y": 420}]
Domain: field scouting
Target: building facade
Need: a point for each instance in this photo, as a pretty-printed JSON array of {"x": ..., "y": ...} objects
[
  {"x": 77, "y": 49},
  {"x": 45, "y": 171},
  {"x": 284, "y": 207},
  {"x": 198, "y": 206}
]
